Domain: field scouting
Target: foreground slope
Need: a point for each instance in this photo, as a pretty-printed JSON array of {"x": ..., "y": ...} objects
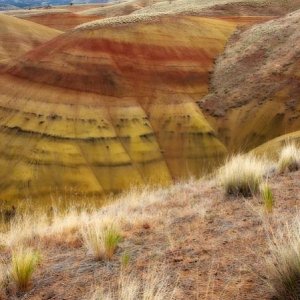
[
  {"x": 18, "y": 37},
  {"x": 255, "y": 87},
  {"x": 205, "y": 245},
  {"x": 110, "y": 106}
]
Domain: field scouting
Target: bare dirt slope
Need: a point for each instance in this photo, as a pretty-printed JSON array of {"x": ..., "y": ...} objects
[{"x": 255, "y": 86}]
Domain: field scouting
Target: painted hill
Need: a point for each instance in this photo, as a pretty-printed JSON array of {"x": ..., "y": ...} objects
[
  {"x": 117, "y": 9},
  {"x": 256, "y": 85},
  {"x": 61, "y": 18},
  {"x": 104, "y": 110},
  {"x": 18, "y": 37}
]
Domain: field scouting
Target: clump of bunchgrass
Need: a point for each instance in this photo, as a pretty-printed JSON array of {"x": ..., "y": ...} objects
[
  {"x": 4, "y": 278},
  {"x": 23, "y": 264},
  {"x": 289, "y": 158},
  {"x": 267, "y": 197},
  {"x": 242, "y": 175},
  {"x": 283, "y": 266},
  {"x": 112, "y": 239},
  {"x": 125, "y": 259},
  {"x": 101, "y": 239}
]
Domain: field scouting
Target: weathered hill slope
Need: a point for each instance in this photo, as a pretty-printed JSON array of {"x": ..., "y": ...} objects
[
  {"x": 196, "y": 7},
  {"x": 255, "y": 87},
  {"x": 18, "y": 37},
  {"x": 110, "y": 106},
  {"x": 222, "y": 7},
  {"x": 58, "y": 18}
]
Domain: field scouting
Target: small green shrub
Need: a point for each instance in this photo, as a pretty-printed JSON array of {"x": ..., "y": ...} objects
[
  {"x": 24, "y": 263},
  {"x": 125, "y": 259},
  {"x": 112, "y": 239},
  {"x": 267, "y": 197}
]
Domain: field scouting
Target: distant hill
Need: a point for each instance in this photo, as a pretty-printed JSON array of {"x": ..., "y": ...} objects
[
  {"x": 7, "y": 7},
  {"x": 14, "y": 4}
]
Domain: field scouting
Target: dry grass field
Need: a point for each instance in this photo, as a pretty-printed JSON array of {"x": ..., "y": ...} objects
[{"x": 149, "y": 150}]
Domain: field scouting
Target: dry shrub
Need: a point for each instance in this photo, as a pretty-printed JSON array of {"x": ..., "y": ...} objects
[
  {"x": 289, "y": 158},
  {"x": 101, "y": 239},
  {"x": 267, "y": 197},
  {"x": 283, "y": 265},
  {"x": 24, "y": 263},
  {"x": 242, "y": 175}
]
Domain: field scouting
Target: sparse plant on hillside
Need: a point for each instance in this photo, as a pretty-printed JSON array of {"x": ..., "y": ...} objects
[
  {"x": 283, "y": 266},
  {"x": 101, "y": 239},
  {"x": 242, "y": 175},
  {"x": 125, "y": 259},
  {"x": 155, "y": 286},
  {"x": 267, "y": 197},
  {"x": 112, "y": 238},
  {"x": 289, "y": 158},
  {"x": 24, "y": 263}
]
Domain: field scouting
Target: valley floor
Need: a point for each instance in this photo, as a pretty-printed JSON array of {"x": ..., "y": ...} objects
[{"x": 205, "y": 245}]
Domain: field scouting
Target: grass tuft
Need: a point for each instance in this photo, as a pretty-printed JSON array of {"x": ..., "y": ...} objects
[
  {"x": 24, "y": 263},
  {"x": 4, "y": 278},
  {"x": 101, "y": 239},
  {"x": 242, "y": 175},
  {"x": 125, "y": 259},
  {"x": 267, "y": 197},
  {"x": 112, "y": 239},
  {"x": 289, "y": 158},
  {"x": 283, "y": 266}
]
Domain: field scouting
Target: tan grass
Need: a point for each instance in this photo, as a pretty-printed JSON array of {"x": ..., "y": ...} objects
[
  {"x": 155, "y": 286},
  {"x": 242, "y": 175},
  {"x": 153, "y": 206},
  {"x": 283, "y": 266},
  {"x": 131, "y": 208},
  {"x": 289, "y": 158},
  {"x": 101, "y": 239},
  {"x": 4, "y": 278},
  {"x": 267, "y": 197}
]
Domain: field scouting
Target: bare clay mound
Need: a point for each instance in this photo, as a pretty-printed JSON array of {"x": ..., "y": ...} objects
[{"x": 256, "y": 84}]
